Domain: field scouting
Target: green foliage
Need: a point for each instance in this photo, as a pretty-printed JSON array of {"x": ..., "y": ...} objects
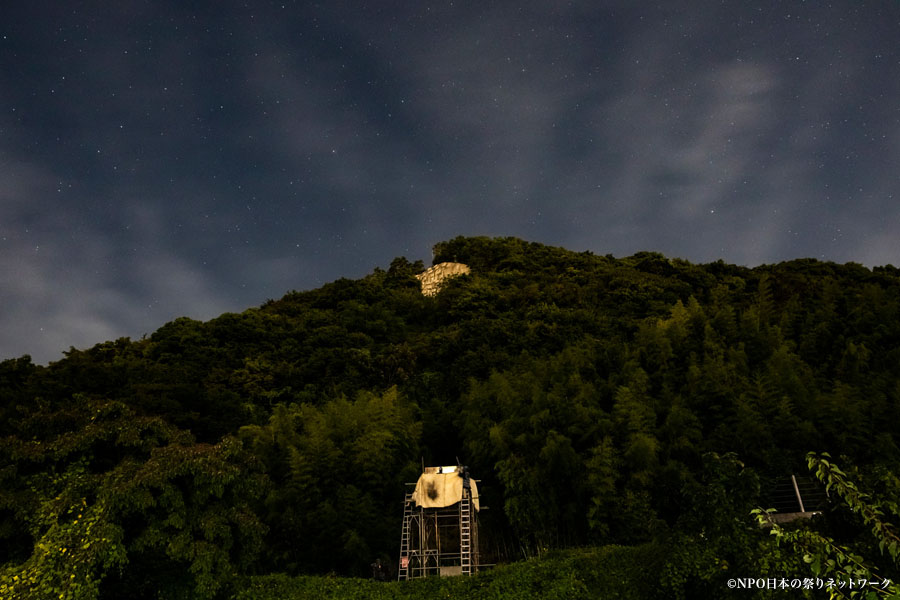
[
  {"x": 77, "y": 547},
  {"x": 591, "y": 573},
  {"x": 587, "y": 392},
  {"x": 334, "y": 471},
  {"x": 97, "y": 500},
  {"x": 714, "y": 541},
  {"x": 829, "y": 559},
  {"x": 536, "y": 424}
]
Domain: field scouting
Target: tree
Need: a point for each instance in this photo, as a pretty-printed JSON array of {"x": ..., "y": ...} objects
[
  {"x": 338, "y": 472},
  {"x": 126, "y": 505},
  {"x": 829, "y": 559}
]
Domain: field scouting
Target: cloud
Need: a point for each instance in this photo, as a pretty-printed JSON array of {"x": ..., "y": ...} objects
[
  {"x": 878, "y": 248},
  {"x": 49, "y": 303},
  {"x": 66, "y": 295},
  {"x": 222, "y": 157},
  {"x": 70, "y": 280}
]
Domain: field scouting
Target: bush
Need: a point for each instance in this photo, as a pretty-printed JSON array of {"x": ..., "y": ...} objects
[{"x": 586, "y": 573}]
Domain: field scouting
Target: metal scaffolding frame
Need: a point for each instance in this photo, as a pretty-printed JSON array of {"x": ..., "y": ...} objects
[{"x": 438, "y": 541}]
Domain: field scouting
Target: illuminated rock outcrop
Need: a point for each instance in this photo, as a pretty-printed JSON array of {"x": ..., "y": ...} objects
[{"x": 436, "y": 275}]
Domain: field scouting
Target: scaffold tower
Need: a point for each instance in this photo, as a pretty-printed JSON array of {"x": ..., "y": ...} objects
[{"x": 439, "y": 535}]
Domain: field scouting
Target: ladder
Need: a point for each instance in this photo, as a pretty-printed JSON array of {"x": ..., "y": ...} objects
[
  {"x": 465, "y": 532},
  {"x": 403, "y": 564}
]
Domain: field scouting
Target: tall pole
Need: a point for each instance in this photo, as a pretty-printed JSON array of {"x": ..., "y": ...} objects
[{"x": 797, "y": 491}]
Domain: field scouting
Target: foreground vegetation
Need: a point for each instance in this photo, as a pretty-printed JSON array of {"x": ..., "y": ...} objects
[
  {"x": 609, "y": 404},
  {"x": 587, "y": 573}
]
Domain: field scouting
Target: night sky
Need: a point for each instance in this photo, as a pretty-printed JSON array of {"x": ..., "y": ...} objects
[{"x": 188, "y": 158}]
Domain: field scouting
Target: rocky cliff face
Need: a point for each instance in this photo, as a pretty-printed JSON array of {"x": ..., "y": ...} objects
[{"x": 435, "y": 276}]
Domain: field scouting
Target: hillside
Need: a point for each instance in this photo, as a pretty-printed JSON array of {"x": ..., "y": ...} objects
[{"x": 600, "y": 401}]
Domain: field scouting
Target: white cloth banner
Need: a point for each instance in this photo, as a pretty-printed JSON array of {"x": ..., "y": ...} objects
[{"x": 437, "y": 490}]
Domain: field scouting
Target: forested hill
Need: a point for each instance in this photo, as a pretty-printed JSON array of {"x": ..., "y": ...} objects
[{"x": 588, "y": 393}]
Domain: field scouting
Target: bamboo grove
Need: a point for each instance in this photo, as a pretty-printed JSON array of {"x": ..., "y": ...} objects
[{"x": 602, "y": 401}]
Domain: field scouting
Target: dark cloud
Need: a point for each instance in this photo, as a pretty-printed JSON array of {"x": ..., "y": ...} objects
[{"x": 169, "y": 159}]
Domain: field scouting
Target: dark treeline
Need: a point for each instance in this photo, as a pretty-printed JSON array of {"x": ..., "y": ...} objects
[{"x": 599, "y": 400}]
